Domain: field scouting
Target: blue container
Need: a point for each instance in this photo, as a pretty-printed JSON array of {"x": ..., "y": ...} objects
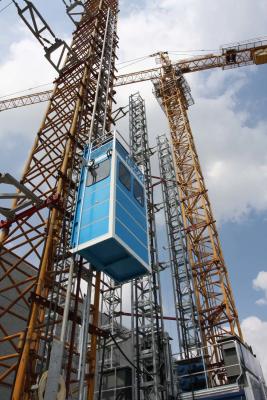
[
  {"x": 110, "y": 222},
  {"x": 190, "y": 374}
]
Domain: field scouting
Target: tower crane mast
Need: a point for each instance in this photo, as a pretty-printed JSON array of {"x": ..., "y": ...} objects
[{"x": 214, "y": 299}]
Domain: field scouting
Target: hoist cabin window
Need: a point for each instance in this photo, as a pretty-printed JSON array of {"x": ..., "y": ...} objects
[
  {"x": 138, "y": 192},
  {"x": 98, "y": 172},
  {"x": 125, "y": 176}
]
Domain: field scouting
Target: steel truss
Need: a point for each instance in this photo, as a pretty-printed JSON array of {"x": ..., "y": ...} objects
[
  {"x": 79, "y": 111},
  {"x": 55, "y": 49},
  {"x": 234, "y": 56},
  {"x": 184, "y": 299},
  {"x": 214, "y": 299},
  {"x": 26, "y": 100},
  {"x": 147, "y": 315},
  {"x": 111, "y": 317},
  {"x": 74, "y": 9}
]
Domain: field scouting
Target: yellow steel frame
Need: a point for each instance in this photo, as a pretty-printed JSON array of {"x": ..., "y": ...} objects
[{"x": 215, "y": 303}]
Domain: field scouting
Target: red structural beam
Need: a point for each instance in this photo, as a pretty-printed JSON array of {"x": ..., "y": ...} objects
[{"x": 49, "y": 202}]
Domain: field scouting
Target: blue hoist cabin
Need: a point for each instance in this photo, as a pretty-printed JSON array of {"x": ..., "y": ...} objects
[{"x": 110, "y": 222}]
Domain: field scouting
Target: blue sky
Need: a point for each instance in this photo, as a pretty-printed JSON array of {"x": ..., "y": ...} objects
[{"x": 228, "y": 119}]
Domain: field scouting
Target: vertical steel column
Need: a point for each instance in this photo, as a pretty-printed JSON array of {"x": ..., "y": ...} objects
[
  {"x": 185, "y": 306},
  {"x": 146, "y": 291},
  {"x": 84, "y": 340},
  {"x": 93, "y": 345}
]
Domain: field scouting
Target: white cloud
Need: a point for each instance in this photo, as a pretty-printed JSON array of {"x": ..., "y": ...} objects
[
  {"x": 260, "y": 283},
  {"x": 188, "y": 24},
  {"x": 232, "y": 154},
  {"x": 261, "y": 302},
  {"x": 255, "y": 332},
  {"x": 24, "y": 66},
  {"x": 255, "y": 329}
]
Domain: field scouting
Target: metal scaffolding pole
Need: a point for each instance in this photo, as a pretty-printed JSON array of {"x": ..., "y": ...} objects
[
  {"x": 147, "y": 315},
  {"x": 185, "y": 305}
]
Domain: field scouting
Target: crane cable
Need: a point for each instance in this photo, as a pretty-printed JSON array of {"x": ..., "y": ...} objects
[
  {"x": 126, "y": 357},
  {"x": 26, "y": 90},
  {"x": 4, "y": 8}
]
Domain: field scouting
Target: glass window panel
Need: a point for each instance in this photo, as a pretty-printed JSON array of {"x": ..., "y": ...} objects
[
  {"x": 124, "y": 377},
  {"x": 138, "y": 191},
  {"x": 98, "y": 172},
  {"x": 124, "y": 394},
  {"x": 108, "y": 395},
  {"x": 109, "y": 380},
  {"x": 124, "y": 176}
]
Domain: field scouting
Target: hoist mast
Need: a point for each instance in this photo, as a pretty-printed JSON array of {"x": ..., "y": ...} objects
[
  {"x": 147, "y": 314},
  {"x": 79, "y": 111}
]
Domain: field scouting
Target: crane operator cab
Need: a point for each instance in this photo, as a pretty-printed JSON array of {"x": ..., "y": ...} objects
[{"x": 110, "y": 221}]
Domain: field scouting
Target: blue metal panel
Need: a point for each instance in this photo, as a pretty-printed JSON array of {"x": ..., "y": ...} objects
[
  {"x": 130, "y": 240},
  {"x": 93, "y": 231},
  {"x": 104, "y": 252},
  {"x": 227, "y": 396},
  {"x": 126, "y": 217},
  {"x": 128, "y": 160},
  {"x": 110, "y": 256},
  {"x": 191, "y": 374},
  {"x": 125, "y": 255},
  {"x": 127, "y": 201},
  {"x": 131, "y": 217},
  {"x": 125, "y": 269},
  {"x": 93, "y": 221}
]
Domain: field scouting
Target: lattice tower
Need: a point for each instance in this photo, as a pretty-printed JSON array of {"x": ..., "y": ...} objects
[
  {"x": 147, "y": 321},
  {"x": 78, "y": 112},
  {"x": 214, "y": 299},
  {"x": 184, "y": 298}
]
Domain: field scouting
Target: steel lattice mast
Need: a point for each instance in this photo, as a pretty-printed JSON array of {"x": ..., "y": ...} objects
[
  {"x": 184, "y": 299},
  {"x": 214, "y": 299},
  {"x": 147, "y": 315},
  {"x": 79, "y": 110}
]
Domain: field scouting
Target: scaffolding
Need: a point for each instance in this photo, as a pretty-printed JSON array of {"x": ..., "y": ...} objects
[
  {"x": 187, "y": 320},
  {"x": 79, "y": 112},
  {"x": 147, "y": 316}
]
